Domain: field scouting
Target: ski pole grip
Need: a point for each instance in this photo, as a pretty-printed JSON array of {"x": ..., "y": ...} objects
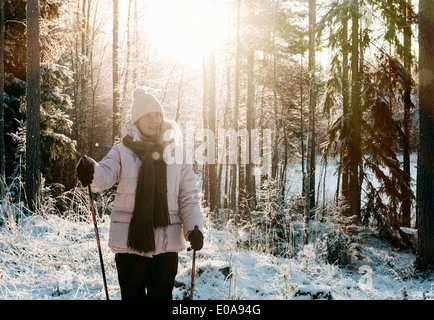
[{"x": 196, "y": 228}]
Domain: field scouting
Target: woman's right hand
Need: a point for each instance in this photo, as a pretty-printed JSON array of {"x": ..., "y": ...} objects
[
  {"x": 196, "y": 239},
  {"x": 85, "y": 171}
]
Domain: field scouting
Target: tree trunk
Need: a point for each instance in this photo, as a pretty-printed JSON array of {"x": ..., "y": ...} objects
[
  {"x": 2, "y": 88},
  {"x": 116, "y": 93},
  {"x": 406, "y": 204},
  {"x": 128, "y": 59},
  {"x": 134, "y": 79},
  {"x": 355, "y": 117},
  {"x": 212, "y": 127},
  {"x": 83, "y": 74},
  {"x": 425, "y": 172},
  {"x": 33, "y": 98},
  {"x": 235, "y": 167},
  {"x": 250, "y": 123},
  {"x": 227, "y": 125},
  {"x": 303, "y": 171},
  {"x": 275, "y": 157},
  {"x": 345, "y": 108},
  {"x": 75, "y": 65},
  {"x": 180, "y": 93},
  {"x": 205, "y": 101},
  {"x": 310, "y": 183}
]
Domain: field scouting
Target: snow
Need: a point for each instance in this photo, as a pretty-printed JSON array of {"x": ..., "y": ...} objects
[{"x": 47, "y": 257}]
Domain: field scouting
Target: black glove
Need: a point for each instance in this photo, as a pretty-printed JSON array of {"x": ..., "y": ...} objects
[
  {"x": 196, "y": 239},
  {"x": 85, "y": 171}
]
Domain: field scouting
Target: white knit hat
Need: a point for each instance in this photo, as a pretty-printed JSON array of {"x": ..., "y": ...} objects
[{"x": 143, "y": 103}]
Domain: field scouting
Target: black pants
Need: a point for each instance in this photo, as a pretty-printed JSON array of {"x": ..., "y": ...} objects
[{"x": 146, "y": 278}]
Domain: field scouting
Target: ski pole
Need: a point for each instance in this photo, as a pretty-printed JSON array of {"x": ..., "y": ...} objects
[
  {"x": 193, "y": 267},
  {"x": 97, "y": 240}
]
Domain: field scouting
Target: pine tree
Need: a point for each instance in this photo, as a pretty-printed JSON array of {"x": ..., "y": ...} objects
[
  {"x": 51, "y": 46},
  {"x": 383, "y": 83}
]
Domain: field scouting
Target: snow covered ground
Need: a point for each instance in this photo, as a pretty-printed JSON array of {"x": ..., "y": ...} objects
[{"x": 49, "y": 257}]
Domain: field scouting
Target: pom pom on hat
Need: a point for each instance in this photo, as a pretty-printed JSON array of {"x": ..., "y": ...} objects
[{"x": 143, "y": 103}]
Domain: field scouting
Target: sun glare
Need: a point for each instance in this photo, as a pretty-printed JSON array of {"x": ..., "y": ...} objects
[{"x": 187, "y": 29}]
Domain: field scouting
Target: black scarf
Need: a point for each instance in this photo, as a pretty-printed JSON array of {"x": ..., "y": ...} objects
[{"x": 150, "y": 206}]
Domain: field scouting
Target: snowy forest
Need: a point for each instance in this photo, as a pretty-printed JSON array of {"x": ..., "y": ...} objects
[{"x": 310, "y": 124}]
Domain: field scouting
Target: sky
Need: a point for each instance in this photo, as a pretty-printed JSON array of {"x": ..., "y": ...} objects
[{"x": 183, "y": 29}]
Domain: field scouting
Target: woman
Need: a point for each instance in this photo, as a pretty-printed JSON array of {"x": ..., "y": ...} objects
[{"x": 156, "y": 205}]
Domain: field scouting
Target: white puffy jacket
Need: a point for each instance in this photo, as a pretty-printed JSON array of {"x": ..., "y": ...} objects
[{"x": 121, "y": 166}]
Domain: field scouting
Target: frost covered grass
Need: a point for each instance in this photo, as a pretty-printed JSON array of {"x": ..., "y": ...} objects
[
  {"x": 382, "y": 274},
  {"x": 48, "y": 257},
  {"x": 52, "y": 256}
]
